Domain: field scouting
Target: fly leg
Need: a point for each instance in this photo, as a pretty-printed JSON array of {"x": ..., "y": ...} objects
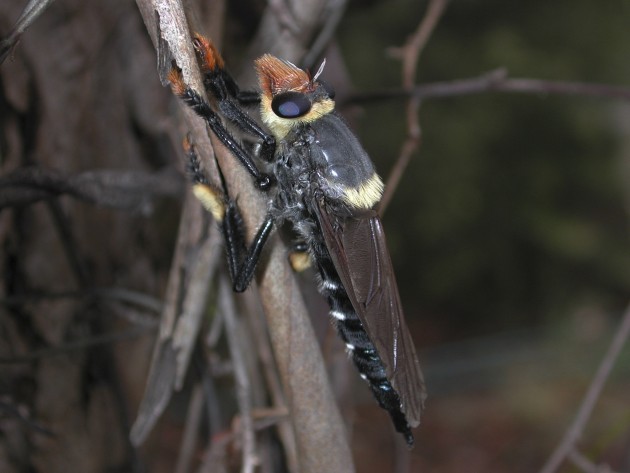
[
  {"x": 203, "y": 109},
  {"x": 223, "y": 88},
  {"x": 242, "y": 260},
  {"x": 216, "y": 77}
]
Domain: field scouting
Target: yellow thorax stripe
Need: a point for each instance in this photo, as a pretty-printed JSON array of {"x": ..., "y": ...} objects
[{"x": 366, "y": 195}]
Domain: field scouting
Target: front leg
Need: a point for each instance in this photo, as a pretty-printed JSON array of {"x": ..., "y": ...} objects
[
  {"x": 220, "y": 85},
  {"x": 242, "y": 260},
  {"x": 203, "y": 109}
]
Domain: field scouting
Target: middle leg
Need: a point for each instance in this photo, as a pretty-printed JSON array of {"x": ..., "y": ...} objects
[{"x": 242, "y": 259}]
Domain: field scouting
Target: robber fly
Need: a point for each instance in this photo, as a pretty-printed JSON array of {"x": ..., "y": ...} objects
[{"x": 327, "y": 188}]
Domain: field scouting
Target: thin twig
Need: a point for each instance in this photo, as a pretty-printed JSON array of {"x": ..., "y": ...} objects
[
  {"x": 31, "y": 11},
  {"x": 243, "y": 388},
  {"x": 574, "y": 432},
  {"x": 496, "y": 80},
  {"x": 191, "y": 430},
  {"x": 410, "y": 55},
  {"x": 8, "y": 409},
  {"x": 126, "y": 190},
  {"x": 127, "y": 296},
  {"x": 108, "y": 294},
  {"x": 194, "y": 303},
  {"x": 539, "y": 86},
  {"x": 214, "y": 413},
  {"x": 585, "y": 464},
  {"x": 334, "y": 13},
  {"x": 82, "y": 344},
  {"x": 214, "y": 459},
  {"x": 272, "y": 379},
  {"x": 213, "y": 334}
]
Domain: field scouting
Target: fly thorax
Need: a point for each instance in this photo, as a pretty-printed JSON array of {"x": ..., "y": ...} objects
[
  {"x": 347, "y": 173},
  {"x": 292, "y": 167}
]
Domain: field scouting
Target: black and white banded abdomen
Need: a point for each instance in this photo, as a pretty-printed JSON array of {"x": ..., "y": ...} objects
[{"x": 358, "y": 344}]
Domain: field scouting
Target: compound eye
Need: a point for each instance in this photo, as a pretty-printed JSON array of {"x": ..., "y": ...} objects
[{"x": 291, "y": 105}]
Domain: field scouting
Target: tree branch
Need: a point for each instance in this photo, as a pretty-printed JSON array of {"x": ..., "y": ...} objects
[
  {"x": 410, "y": 54},
  {"x": 496, "y": 80},
  {"x": 124, "y": 190}
]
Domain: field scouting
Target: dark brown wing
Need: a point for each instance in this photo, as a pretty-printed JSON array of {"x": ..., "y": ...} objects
[{"x": 359, "y": 252}]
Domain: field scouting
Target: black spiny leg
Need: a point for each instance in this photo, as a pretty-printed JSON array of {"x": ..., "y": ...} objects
[
  {"x": 242, "y": 261},
  {"x": 202, "y": 108},
  {"x": 220, "y": 85}
]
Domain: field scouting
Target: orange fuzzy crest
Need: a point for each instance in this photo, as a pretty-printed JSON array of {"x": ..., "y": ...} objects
[{"x": 276, "y": 76}]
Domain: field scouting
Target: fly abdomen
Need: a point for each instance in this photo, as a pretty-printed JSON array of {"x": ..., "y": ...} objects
[{"x": 359, "y": 346}]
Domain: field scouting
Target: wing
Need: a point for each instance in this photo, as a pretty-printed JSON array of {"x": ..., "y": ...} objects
[{"x": 359, "y": 252}]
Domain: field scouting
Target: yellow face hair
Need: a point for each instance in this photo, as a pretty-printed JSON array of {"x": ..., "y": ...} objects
[
  {"x": 275, "y": 77},
  {"x": 281, "y": 126}
]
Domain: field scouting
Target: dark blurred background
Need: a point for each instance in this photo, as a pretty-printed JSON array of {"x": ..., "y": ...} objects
[
  {"x": 513, "y": 213},
  {"x": 508, "y": 231}
]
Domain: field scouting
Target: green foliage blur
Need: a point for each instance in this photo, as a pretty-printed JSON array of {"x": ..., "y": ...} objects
[{"x": 514, "y": 211}]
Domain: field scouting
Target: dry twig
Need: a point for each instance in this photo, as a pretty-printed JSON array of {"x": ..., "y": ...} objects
[
  {"x": 191, "y": 431},
  {"x": 574, "y": 432},
  {"x": 31, "y": 11},
  {"x": 586, "y": 465},
  {"x": 243, "y": 388},
  {"x": 496, "y": 80},
  {"x": 133, "y": 191},
  {"x": 410, "y": 54}
]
